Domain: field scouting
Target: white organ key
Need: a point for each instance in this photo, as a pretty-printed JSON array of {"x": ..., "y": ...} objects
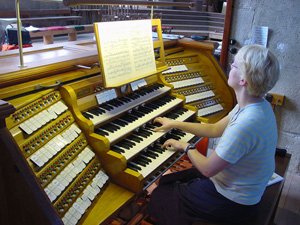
[
  {"x": 40, "y": 119},
  {"x": 50, "y": 194},
  {"x": 62, "y": 181},
  {"x": 75, "y": 128},
  {"x": 46, "y": 153},
  {"x": 86, "y": 203},
  {"x": 65, "y": 220},
  {"x": 32, "y": 124},
  {"x": 188, "y": 82},
  {"x": 199, "y": 96},
  {"x": 52, "y": 114},
  {"x": 42, "y": 157},
  {"x": 72, "y": 170},
  {"x": 91, "y": 193},
  {"x": 210, "y": 110},
  {"x": 24, "y": 126},
  {"x": 60, "y": 142},
  {"x": 176, "y": 69},
  {"x": 61, "y": 106},
  {"x": 57, "y": 108},
  {"x": 55, "y": 190},
  {"x": 78, "y": 206},
  {"x": 35, "y": 158}
]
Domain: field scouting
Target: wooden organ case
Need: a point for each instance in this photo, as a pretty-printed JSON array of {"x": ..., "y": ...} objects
[
  {"x": 70, "y": 159},
  {"x": 50, "y": 173},
  {"x": 195, "y": 73}
]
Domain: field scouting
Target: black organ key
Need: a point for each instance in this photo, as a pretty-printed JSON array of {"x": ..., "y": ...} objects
[
  {"x": 145, "y": 158},
  {"x": 144, "y": 109},
  {"x": 139, "y": 135},
  {"x": 100, "y": 110},
  {"x": 155, "y": 149},
  {"x": 88, "y": 116},
  {"x": 152, "y": 154},
  {"x": 115, "y": 102},
  {"x": 135, "y": 138},
  {"x": 182, "y": 110},
  {"x": 130, "y": 142},
  {"x": 152, "y": 106},
  {"x": 129, "y": 118},
  {"x": 174, "y": 136},
  {"x": 117, "y": 149},
  {"x": 106, "y": 106},
  {"x": 120, "y": 122},
  {"x": 133, "y": 96},
  {"x": 140, "y": 161},
  {"x": 177, "y": 132},
  {"x": 124, "y": 145},
  {"x": 134, "y": 166},
  {"x": 157, "y": 145},
  {"x": 110, "y": 127},
  {"x": 124, "y": 99},
  {"x": 172, "y": 116},
  {"x": 136, "y": 113},
  {"x": 101, "y": 132},
  {"x": 94, "y": 112},
  {"x": 150, "y": 126},
  {"x": 144, "y": 132},
  {"x": 159, "y": 103}
]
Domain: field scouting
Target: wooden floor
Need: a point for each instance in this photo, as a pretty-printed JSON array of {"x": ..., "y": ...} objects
[{"x": 288, "y": 212}]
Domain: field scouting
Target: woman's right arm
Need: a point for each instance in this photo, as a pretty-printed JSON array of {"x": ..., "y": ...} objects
[{"x": 198, "y": 129}]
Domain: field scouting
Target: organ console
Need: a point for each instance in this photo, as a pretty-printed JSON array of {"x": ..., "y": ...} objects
[
  {"x": 79, "y": 151},
  {"x": 120, "y": 129},
  {"x": 194, "y": 73}
]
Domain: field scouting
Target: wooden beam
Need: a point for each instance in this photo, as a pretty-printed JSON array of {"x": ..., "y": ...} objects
[{"x": 226, "y": 35}]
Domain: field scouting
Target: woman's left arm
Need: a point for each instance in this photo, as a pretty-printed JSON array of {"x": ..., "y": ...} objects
[{"x": 208, "y": 166}]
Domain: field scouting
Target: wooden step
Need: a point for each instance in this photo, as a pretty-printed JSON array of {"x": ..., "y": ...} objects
[
  {"x": 193, "y": 17},
  {"x": 208, "y": 34},
  {"x": 194, "y": 27},
  {"x": 193, "y": 22}
]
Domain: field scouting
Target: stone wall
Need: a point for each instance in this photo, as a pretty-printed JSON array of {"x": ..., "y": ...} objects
[{"x": 283, "y": 20}]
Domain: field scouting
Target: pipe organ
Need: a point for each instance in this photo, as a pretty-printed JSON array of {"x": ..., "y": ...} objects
[
  {"x": 123, "y": 126},
  {"x": 83, "y": 150},
  {"x": 195, "y": 73}
]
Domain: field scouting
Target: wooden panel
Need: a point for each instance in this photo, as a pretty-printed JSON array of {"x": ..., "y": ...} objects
[{"x": 42, "y": 62}]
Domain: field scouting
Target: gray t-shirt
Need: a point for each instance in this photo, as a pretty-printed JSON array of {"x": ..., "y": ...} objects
[{"x": 248, "y": 144}]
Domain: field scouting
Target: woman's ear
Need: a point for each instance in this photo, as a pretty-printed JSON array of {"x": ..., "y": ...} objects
[{"x": 243, "y": 82}]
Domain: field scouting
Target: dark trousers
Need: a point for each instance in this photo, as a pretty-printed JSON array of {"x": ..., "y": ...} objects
[{"x": 185, "y": 197}]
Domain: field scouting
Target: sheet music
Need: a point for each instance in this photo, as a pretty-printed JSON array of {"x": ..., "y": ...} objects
[
  {"x": 260, "y": 35},
  {"x": 126, "y": 49}
]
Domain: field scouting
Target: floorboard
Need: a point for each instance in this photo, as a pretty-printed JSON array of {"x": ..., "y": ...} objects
[{"x": 288, "y": 212}]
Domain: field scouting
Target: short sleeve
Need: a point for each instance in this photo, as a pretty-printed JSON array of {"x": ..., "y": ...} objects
[{"x": 234, "y": 143}]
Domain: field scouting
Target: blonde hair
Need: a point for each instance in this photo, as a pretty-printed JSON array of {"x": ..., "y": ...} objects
[{"x": 259, "y": 67}]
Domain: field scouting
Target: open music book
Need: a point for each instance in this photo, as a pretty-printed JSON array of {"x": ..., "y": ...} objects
[{"x": 125, "y": 51}]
